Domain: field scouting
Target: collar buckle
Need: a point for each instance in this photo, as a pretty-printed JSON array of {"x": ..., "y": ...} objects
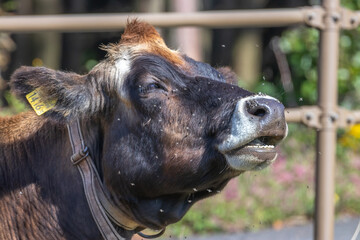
[{"x": 79, "y": 156}]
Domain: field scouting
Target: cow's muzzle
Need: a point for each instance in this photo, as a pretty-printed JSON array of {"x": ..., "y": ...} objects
[{"x": 257, "y": 126}]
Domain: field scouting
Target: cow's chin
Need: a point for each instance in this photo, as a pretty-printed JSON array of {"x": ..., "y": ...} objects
[
  {"x": 156, "y": 213},
  {"x": 252, "y": 156}
]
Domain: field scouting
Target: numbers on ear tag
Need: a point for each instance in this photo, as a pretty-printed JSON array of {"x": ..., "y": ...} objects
[{"x": 37, "y": 102}]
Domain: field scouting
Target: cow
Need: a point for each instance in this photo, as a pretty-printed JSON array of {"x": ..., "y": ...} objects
[{"x": 161, "y": 130}]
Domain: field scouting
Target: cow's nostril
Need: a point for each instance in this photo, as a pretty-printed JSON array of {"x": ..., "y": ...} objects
[
  {"x": 266, "y": 110},
  {"x": 257, "y": 108},
  {"x": 259, "y": 112}
]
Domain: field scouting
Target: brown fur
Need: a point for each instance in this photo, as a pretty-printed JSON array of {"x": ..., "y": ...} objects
[
  {"x": 229, "y": 75},
  {"x": 34, "y": 157},
  {"x": 34, "y": 224},
  {"x": 142, "y": 37},
  {"x": 19, "y": 127}
]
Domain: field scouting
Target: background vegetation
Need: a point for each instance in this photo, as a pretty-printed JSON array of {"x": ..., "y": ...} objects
[{"x": 283, "y": 194}]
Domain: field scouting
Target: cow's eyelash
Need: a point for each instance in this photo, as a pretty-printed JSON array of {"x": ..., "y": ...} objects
[{"x": 150, "y": 87}]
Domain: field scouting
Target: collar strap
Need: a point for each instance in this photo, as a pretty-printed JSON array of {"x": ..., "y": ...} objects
[{"x": 102, "y": 209}]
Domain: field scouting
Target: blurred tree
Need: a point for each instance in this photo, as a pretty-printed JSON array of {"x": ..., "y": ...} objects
[
  {"x": 7, "y": 45},
  {"x": 188, "y": 39},
  {"x": 249, "y": 51},
  {"x": 300, "y": 45},
  {"x": 47, "y": 45}
]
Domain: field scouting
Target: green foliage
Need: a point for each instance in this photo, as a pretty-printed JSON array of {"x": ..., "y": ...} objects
[
  {"x": 90, "y": 64},
  {"x": 270, "y": 89},
  {"x": 15, "y": 105},
  {"x": 9, "y": 6},
  {"x": 351, "y": 4},
  {"x": 301, "y": 48}
]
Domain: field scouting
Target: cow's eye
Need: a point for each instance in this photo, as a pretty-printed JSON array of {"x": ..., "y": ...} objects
[{"x": 150, "y": 87}]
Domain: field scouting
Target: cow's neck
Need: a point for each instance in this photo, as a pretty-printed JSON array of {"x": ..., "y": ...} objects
[
  {"x": 27, "y": 147},
  {"x": 91, "y": 133},
  {"x": 35, "y": 171}
]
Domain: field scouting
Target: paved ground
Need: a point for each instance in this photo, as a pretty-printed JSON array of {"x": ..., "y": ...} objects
[{"x": 344, "y": 230}]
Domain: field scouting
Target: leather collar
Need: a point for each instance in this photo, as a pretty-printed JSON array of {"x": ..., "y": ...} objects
[{"x": 104, "y": 212}]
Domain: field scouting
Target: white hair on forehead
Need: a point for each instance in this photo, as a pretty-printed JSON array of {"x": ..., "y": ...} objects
[
  {"x": 113, "y": 73},
  {"x": 122, "y": 67}
]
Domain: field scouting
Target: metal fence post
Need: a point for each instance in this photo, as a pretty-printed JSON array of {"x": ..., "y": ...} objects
[{"x": 326, "y": 136}]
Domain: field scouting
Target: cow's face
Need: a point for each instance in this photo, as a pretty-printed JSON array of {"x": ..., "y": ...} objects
[{"x": 173, "y": 130}]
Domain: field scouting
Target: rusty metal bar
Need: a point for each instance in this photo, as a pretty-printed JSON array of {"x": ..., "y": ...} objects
[
  {"x": 115, "y": 22},
  {"x": 326, "y": 136},
  {"x": 294, "y": 115},
  {"x": 310, "y": 116}
]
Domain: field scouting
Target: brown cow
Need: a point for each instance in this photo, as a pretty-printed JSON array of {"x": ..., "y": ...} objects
[{"x": 162, "y": 129}]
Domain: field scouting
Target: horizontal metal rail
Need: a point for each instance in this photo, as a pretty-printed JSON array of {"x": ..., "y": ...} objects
[
  {"x": 311, "y": 115},
  {"x": 115, "y": 22}
]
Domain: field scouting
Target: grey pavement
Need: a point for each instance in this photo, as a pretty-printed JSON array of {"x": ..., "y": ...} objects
[{"x": 344, "y": 230}]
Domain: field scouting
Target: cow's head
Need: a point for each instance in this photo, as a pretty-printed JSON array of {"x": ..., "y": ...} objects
[{"x": 173, "y": 130}]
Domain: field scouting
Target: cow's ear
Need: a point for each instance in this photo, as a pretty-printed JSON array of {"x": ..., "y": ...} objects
[
  {"x": 61, "y": 96},
  {"x": 229, "y": 75}
]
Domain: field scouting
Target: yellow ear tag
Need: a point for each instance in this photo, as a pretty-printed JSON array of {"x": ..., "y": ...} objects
[{"x": 37, "y": 102}]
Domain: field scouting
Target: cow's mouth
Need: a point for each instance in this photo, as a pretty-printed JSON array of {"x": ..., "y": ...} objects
[
  {"x": 259, "y": 148},
  {"x": 256, "y": 127},
  {"x": 255, "y": 155}
]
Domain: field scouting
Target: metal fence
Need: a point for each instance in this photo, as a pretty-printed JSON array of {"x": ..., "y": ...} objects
[{"x": 329, "y": 18}]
